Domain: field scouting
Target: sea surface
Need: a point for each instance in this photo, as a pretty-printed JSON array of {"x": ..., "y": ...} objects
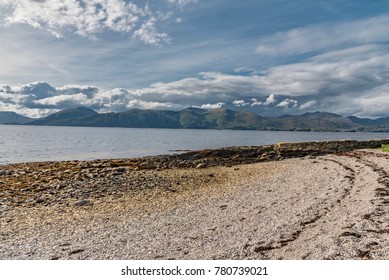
[{"x": 50, "y": 143}]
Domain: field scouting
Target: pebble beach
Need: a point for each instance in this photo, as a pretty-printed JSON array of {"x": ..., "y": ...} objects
[{"x": 330, "y": 206}]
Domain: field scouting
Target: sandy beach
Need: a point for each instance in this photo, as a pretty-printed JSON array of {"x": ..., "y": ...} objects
[{"x": 315, "y": 207}]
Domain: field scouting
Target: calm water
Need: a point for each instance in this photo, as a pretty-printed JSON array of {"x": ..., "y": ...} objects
[{"x": 44, "y": 143}]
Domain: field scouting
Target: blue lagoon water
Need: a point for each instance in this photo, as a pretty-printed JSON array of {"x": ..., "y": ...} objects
[{"x": 49, "y": 143}]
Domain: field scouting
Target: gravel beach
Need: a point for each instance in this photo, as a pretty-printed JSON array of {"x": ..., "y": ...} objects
[{"x": 315, "y": 207}]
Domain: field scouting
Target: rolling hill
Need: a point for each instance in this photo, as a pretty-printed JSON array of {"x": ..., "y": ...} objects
[
  {"x": 195, "y": 118},
  {"x": 13, "y": 118}
]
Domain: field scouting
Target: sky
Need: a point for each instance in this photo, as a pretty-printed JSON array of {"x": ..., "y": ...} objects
[{"x": 270, "y": 57}]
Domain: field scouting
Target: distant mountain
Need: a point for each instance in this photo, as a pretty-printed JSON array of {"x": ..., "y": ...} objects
[
  {"x": 65, "y": 117},
  {"x": 382, "y": 121},
  {"x": 134, "y": 118},
  {"x": 228, "y": 119},
  {"x": 188, "y": 118},
  {"x": 370, "y": 122},
  {"x": 219, "y": 119},
  {"x": 193, "y": 118},
  {"x": 317, "y": 121},
  {"x": 205, "y": 119},
  {"x": 13, "y": 118}
]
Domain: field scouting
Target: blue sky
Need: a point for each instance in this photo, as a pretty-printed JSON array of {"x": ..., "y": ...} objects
[{"x": 269, "y": 57}]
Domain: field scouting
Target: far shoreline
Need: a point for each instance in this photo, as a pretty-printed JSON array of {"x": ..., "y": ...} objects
[
  {"x": 206, "y": 129},
  {"x": 228, "y": 156},
  {"x": 21, "y": 144}
]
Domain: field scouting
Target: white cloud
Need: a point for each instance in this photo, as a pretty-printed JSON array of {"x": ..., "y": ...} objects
[
  {"x": 288, "y": 103},
  {"x": 38, "y": 89},
  {"x": 13, "y": 98},
  {"x": 182, "y": 3},
  {"x": 5, "y": 88},
  {"x": 113, "y": 100},
  {"x": 255, "y": 102},
  {"x": 148, "y": 33},
  {"x": 326, "y": 37},
  {"x": 41, "y": 97},
  {"x": 350, "y": 71},
  {"x": 374, "y": 106},
  {"x": 209, "y": 86},
  {"x": 353, "y": 69},
  {"x": 33, "y": 113},
  {"x": 240, "y": 103},
  {"x": 152, "y": 105},
  {"x": 69, "y": 101},
  {"x": 86, "y": 18},
  {"x": 308, "y": 105},
  {"x": 270, "y": 100},
  {"x": 372, "y": 103},
  {"x": 89, "y": 91},
  {"x": 212, "y": 106}
]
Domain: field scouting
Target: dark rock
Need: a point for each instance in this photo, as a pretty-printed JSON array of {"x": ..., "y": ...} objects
[
  {"x": 147, "y": 165},
  {"x": 76, "y": 251},
  {"x": 83, "y": 202},
  {"x": 119, "y": 170}
]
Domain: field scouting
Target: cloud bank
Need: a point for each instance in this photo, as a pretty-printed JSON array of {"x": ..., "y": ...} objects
[
  {"x": 326, "y": 37},
  {"x": 339, "y": 67},
  {"x": 90, "y": 18},
  {"x": 352, "y": 81}
]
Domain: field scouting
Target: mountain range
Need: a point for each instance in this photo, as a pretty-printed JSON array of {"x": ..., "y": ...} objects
[{"x": 201, "y": 119}]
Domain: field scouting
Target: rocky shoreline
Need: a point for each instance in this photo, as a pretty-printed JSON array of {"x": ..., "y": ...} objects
[
  {"x": 294, "y": 200},
  {"x": 80, "y": 182}
]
